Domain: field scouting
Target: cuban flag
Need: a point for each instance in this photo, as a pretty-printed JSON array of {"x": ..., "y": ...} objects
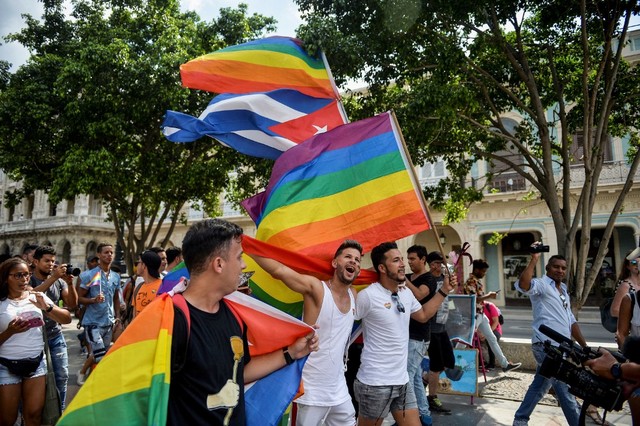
[{"x": 263, "y": 124}]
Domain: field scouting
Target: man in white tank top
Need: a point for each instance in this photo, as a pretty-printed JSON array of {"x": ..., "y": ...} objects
[{"x": 331, "y": 306}]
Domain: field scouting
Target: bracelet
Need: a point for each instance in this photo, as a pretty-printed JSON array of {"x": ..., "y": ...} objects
[
  {"x": 49, "y": 309},
  {"x": 442, "y": 292},
  {"x": 287, "y": 356}
]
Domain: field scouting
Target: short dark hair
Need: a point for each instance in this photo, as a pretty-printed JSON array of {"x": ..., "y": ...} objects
[
  {"x": 420, "y": 251},
  {"x": 42, "y": 250},
  {"x": 29, "y": 247},
  {"x": 172, "y": 253},
  {"x": 348, "y": 244},
  {"x": 206, "y": 239},
  {"x": 378, "y": 253},
  {"x": 156, "y": 249},
  {"x": 556, "y": 257},
  {"x": 5, "y": 270},
  {"x": 480, "y": 264},
  {"x": 101, "y": 246}
]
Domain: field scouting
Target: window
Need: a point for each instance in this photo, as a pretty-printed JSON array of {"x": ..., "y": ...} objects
[{"x": 577, "y": 148}]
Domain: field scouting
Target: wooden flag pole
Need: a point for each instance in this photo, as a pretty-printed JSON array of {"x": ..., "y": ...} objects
[{"x": 416, "y": 183}]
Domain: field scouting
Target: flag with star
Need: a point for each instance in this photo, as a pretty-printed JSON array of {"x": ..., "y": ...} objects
[{"x": 261, "y": 124}]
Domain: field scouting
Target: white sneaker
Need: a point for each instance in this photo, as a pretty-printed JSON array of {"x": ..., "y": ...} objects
[{"x": 81, "y": 378}]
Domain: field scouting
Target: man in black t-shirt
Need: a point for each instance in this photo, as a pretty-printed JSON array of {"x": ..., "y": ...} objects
[
  {"x": 207, "y": 385},
  {"x": 419, "y": 332}
]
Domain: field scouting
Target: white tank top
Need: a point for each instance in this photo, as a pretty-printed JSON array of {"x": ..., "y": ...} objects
[{"x": 323, "y": 373}]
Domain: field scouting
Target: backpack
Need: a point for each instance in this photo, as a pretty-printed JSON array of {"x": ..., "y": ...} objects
[
  {"x": 181, "y": 303},
  {"x": 609, "y": 322},
  {"x": 500, "y": 319}
]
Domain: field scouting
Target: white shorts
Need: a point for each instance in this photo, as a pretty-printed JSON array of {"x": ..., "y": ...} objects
[{"x": 336, "y": 415}]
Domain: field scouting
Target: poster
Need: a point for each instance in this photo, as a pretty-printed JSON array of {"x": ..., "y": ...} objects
[
  {"x": 461, "y": 322},
  {"x": 467, "y": 361}
]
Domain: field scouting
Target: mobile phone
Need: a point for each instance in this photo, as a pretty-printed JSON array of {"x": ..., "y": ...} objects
[{"x": 32, "y": 319}]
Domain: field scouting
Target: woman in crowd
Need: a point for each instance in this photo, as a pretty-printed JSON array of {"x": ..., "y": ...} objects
[
  {"x": 628, "y": 282},
  {"x": 628, "y": 307},
  {"x": 22, "y": 361}
]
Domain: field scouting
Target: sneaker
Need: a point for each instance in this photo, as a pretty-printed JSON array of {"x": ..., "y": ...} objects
[
  {"x": 426, "y": 420},
  {"x": 435, "y": 405},
  {"x": 511, "y": 367},
  {"x": 81, "y": 378}
]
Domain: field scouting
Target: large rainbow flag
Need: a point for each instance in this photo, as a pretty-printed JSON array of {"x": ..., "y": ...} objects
[
  {"x": 260, "y": 66},
  {"x": 352, "y": 182},
  {"x": 130, "y": 386}
]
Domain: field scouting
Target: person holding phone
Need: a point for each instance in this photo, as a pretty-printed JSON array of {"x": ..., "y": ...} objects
[
  {"x": 475, "y": 286},
  {"x": 22, "y": 362}
]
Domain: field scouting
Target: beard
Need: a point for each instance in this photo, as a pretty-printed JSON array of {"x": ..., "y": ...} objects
[{"x": 398, "y": 277}]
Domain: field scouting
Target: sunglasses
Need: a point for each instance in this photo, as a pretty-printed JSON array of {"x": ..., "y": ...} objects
[
  {"x": 399, "y": 305},
  {"x": 21, "y": 275},
  {"x": 564, "y": 301},
  {"x": 633, "y": 262}
]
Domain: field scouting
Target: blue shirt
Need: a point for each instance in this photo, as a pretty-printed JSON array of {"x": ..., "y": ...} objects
[
  {"x": 101, "y": 314},
  {"x": 549, "y": 308}
]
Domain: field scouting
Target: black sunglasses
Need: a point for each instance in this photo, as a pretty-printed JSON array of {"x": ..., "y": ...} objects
[{"x": 396, "y": 299}]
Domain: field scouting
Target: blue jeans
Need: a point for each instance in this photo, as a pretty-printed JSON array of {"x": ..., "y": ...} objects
[
  {"x": 60, "y": 362},
  {"x": 538, "y": 389},
  {"x": 417, "y": 350}
]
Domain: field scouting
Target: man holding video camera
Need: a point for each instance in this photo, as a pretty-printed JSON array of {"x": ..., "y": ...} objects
[{"x": 551, "y": 307}]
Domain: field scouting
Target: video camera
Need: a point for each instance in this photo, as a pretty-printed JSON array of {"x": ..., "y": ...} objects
[{"x": 582, "y": 383}]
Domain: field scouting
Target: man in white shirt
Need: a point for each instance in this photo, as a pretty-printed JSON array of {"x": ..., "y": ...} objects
[{"x": 385, "y": 307}]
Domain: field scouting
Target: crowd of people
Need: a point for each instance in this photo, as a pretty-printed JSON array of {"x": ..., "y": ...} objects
[
  {"x": 403, "y": 317},
  {"x": 38, "y": 294}
]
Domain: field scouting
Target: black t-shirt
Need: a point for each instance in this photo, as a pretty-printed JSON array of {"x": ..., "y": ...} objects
[
  {"x": 421, "y": 330},
  {"x": 208, "y": 367}
]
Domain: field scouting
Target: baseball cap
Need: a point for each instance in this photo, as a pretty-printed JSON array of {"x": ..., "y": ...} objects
[
  {"x": 434, "y": 256},
  {"x": 91, "y": 258},
  {"x": 152, "y": 261}
]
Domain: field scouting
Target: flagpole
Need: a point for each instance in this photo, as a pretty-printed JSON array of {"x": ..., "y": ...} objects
[
  {"x": 417, "y": 181},
  {"x": 343, "y": 112}
]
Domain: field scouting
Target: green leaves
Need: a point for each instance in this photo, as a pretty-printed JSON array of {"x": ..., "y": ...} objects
[{"x": 83, "y": 115}]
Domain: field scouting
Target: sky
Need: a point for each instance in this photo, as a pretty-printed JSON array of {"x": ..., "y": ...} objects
[{"x": 285, "y": 12}]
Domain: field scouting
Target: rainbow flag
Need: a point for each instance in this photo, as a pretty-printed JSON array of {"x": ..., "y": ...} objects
[
  {"x": 114, "y": 395},
  {"x": 173, "y": 278},
  {"x": 260, "y": 66},
  {"x": 258, "y": 124},
  {"x": 96, "y": 279},
  {"x": 352, "y": 182}
]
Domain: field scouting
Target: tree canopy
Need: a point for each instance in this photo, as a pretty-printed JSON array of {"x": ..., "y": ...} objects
[
  {"x": 83, "y": 115},
  {"x": 454, "y": 71}
]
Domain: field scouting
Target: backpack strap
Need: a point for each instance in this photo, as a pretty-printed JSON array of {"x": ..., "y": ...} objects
[
  {"x": 181, "y": 303},
  {"x": 236, "y": 314}
]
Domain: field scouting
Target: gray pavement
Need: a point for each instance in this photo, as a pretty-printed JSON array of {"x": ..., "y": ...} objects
[{"x": 498, "y": 398}]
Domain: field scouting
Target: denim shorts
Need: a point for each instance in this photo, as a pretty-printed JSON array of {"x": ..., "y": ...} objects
[
  {"x": 99, "y": 337},
  {"x": 375, "y": 402},
  {"x": 8, "y": 378}
]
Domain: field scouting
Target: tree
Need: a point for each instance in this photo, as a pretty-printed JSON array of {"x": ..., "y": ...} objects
[
  {"x": 453, "y": 70},
  {"x": 83, "y": 115}
]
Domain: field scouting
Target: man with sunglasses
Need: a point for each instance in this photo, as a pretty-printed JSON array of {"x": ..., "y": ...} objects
[
  {"x": 385, "y": 307},
  {"x": 551, "y": 306}
]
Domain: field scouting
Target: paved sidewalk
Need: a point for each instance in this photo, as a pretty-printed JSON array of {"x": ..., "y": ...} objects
[{"x": 499, "y": 398}]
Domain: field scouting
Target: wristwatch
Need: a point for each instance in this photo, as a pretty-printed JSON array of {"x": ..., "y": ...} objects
[
  {"x": 616, "y": 371},
  {"x": 287, "y": 356},
  {"x": 49, "y": 309}
]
